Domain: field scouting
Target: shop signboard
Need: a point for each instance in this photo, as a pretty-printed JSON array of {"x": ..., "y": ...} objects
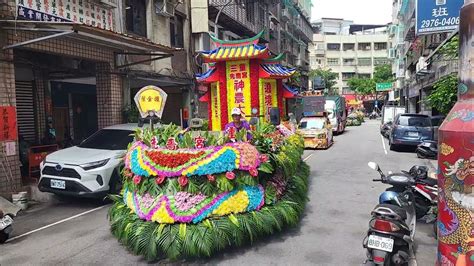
[
  {"x": 433, "y": 16},
  {"x": 386, "y": 86},
  {"x": 238, "y": 86},
  {"x": 150, "y": 101},
  {"x": 78, "y": 11}
]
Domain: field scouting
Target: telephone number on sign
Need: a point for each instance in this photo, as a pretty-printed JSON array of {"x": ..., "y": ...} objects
[{"x": 428, "y": 23}]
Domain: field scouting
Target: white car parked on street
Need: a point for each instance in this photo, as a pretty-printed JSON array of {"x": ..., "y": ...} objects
[{"x": 91, "y": 169}]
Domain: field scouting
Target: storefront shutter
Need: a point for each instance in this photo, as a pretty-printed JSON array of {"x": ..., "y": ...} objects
[{"x": 26, "y": 110}]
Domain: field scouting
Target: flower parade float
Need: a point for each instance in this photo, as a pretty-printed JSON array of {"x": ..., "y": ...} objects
[{"x": 189, "y": 194}]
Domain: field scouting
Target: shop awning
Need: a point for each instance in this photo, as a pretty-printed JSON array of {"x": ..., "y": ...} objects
[{"x": 49, "y": 30}]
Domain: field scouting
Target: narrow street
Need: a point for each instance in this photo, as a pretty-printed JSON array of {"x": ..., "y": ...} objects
[{"x": 341, "y": 195}]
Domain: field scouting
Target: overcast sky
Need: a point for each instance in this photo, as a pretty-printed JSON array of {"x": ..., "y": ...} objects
[{"x": 360, "y": 11}]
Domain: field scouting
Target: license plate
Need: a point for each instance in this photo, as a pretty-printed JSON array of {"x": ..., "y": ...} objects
[
  {"x": 413, "y": 134},
  {"x": 381, "y": 243},
  {"x": 5, "y": 221},
  {"x": 58, "y": 184}
]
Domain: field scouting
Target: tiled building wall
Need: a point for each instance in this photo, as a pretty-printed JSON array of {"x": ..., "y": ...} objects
[
  {"x": 9, "y": 165},
  {"x": 109, "y": 96}
]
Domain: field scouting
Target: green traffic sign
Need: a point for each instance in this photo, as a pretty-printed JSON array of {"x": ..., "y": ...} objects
[{"x": 387, "y": 86}]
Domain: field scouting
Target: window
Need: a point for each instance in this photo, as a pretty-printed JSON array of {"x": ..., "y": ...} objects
[
  {"x": 347, "y": 75},
  {"x": 334, "y": 46},
  {"x": 414, "y": 121},
  {"x": 333, "y": 61},
  {"x": 364, "y": 61},
  {"x": 261, "y": 14},
  {"x": 364, "y": 46},
  {"x": 381, "y": 61},
  {"x": 348, "y": 47},
  {"x": 250, "y": 10},
  {"x": 314, "y": 123},
  {"x": 176, "y": 31},
  {"x": 380, "y": 46},
  {"x": 364, "y": 76},
  {"x": 348, "y": 62},
  {"x": 135, "y": 17}
]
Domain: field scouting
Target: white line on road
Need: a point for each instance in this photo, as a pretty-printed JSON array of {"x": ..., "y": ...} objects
[
  {"x": 383, "y": 144},
  {"x": 56, "y": 223},
  {"x": 307, "y": 157}
]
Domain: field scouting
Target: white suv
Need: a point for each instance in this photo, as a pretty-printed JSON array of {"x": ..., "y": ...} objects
[{"x": 91, "y": 169}]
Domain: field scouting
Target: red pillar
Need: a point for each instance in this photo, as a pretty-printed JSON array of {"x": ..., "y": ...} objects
[
  {"x": 221, "y": 66},
  {"x": 456, "y": 159},
  {"x": 254, "y": 88}
]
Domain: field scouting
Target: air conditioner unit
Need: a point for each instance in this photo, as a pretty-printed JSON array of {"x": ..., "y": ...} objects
[{"x": 165, "y": 7}]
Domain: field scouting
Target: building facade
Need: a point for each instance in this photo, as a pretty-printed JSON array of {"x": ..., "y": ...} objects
[
  {"x": 70, "y": 68},
  {"x": 415, "y": 62},
  {"x": 355, "y": 54}
]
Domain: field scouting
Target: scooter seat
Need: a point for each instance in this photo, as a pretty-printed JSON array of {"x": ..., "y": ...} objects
[{"x": 378, "y": 211}]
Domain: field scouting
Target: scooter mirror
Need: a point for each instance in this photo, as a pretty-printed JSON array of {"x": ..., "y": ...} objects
[{"x": 374, "y": 166}]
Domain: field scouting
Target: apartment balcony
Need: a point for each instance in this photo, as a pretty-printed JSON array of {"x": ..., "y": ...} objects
[{"x": 234, "y": 17}]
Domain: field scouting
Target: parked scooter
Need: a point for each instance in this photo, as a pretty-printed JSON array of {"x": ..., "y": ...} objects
[
  {"x": 390, "y": 237},
  {"x": 428, "y": 149},
  {"x": 426, "y": 191},
  {"x": 373, "y": 115},
  {"x": 6, "y": 227}
]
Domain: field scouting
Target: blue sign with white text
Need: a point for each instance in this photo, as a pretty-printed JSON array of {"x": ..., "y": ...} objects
[{"x": 437, "y": 15}]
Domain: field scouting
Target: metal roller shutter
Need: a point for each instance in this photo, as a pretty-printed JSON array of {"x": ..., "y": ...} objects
[{"x": 25, "y": 105}]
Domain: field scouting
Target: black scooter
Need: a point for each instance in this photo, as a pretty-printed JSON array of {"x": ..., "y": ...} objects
[
  {"x": 6, "y": 227},
  {"x": 391, "y": 233},
  {"x": 427, "y": 150}
]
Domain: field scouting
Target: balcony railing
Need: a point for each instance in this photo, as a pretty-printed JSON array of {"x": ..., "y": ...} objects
[{"x": 234, "y": 17}]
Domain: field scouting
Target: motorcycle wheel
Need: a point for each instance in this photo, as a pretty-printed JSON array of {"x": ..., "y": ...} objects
[{"x": 3, "y": 237}]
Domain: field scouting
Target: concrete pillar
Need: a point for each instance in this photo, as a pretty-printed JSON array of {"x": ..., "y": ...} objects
[
  {"x": 109, "y": 96},
  {"x": 456, "y": 159},
  {"x": 10, "y": 178}
]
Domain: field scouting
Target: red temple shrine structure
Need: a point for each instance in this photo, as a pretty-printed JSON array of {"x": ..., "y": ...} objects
[{"x": 243, "y": 74}]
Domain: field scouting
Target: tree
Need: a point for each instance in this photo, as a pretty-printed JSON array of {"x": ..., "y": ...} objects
[
  {"x": 444, "y": 95},
  {"x": 383, "y": 74},
  {"x": 450, "y": 50},
  {"x": 362, "y": 86},
  {"x": 327, "y": 76}
]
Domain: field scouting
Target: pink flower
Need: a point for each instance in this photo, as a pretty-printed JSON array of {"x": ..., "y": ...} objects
[
  {"x": 211, "y": 178},
  {"x": 253, "y": 172},
  {"x": 160, "y": 179},
  {"x": 182, "y": 180},
  {"x": 230, "y": 175},
  {"x": 264, "y": 158},
  {"x": 137, "y": 179}
]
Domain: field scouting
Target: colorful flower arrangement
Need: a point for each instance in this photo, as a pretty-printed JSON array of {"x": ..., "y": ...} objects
[
  {"x": 222, "y": 194},
  {"x": 184, "y": 207},
  {"x": 145, "y": 161}
]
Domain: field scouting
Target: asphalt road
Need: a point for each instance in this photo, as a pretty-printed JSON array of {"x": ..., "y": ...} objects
[{"x": 330, "y": 233}]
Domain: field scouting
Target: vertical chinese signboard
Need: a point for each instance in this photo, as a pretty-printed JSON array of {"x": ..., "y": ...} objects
[
  {"x": 78, "y": 11},
  {"x": 268, "y": 96},
  {"x": 238, "y": 86},
  {"x": 216, "y": 107},
  {"x": 434, "y": 16},
  {"x": 8, "y": 123}
]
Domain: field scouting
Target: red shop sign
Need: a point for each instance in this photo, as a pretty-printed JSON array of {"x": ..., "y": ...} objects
[{"x": 8, "y": 123}]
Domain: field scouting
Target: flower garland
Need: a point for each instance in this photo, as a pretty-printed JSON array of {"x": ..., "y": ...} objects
[
  {"x": 184, "y": 207},
  {"x": 145, "y": 161}
]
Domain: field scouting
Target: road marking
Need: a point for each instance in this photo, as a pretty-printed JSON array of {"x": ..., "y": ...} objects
[
  {"x": 307, "y": 157},
  {"x": 56, "y": 223},
  {"x": 383, "y": 144}
]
